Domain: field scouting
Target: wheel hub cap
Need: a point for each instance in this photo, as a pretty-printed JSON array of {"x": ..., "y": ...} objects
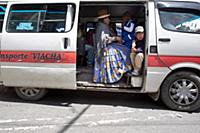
[
  {"x": 30, "y": 92},
  {"x": 184, "y": 92}
]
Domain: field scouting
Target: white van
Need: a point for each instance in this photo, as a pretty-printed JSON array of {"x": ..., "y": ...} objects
[{"x": 39, "y": 50}]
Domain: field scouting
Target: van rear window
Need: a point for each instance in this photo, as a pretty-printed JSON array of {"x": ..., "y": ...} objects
[{"x": 37, "y": 18}]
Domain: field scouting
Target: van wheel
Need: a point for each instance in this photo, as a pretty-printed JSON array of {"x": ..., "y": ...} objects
[
  {"x": 181, "y": 91},
  {"x": 31, "y": 94}
]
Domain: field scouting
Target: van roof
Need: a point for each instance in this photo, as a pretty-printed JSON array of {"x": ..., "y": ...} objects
[
  {"x": 135, "y": 0},
  {"x": 80, "y": 0},
  {"x": 103, "y": 0}
]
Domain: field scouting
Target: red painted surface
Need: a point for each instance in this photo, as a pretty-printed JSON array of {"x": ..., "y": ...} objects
[
  {"x": 70, "y": 57},
  {"x": 167, "y": 61},
  {"x": 38, "y": 56}
]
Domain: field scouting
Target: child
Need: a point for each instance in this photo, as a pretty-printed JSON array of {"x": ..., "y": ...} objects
[
  {"x": 128, "y": 30},
  {"x": 137, "y": 54}
]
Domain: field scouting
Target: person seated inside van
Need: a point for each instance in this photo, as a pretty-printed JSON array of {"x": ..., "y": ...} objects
[
  {"x": 128, "y": 29},
  {"x": 85, "y": 45},
  {"x": 80, "y": 45},
  {"x": 170, "y": 21},
  {"x": 89, "y": 47},
  {"x": 137, "y": 55},
  {"x": 112, "y": 59}
]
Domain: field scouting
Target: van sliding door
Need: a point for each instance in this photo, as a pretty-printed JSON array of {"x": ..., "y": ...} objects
[
  {"x": 2, "y": 14},
  {"x": 39, "y": 45}
]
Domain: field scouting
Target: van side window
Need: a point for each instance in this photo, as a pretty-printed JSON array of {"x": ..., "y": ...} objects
[
  {"x": 2, "y": 14},
  {"x": 37, "y": 18},
  {"x": 180, "y": 20}
]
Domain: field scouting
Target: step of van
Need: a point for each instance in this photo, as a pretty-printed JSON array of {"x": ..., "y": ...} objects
[{"x": 82, "y": 85}]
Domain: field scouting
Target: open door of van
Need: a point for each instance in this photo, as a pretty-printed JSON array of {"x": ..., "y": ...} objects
[
  {"x": 38, "y": 46},
  {"x": 2, "y": 14}
]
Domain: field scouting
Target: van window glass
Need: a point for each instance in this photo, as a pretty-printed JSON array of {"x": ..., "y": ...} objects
[
  {"x": 2, "y": 14},
  {"x": 180, "y": 20},
  {"x": 37, "y": 18}
]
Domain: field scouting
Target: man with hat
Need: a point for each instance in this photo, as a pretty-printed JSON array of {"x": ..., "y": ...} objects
[{"x": 138, "y": 47}]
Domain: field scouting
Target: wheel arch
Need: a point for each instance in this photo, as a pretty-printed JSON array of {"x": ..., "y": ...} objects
[
  {"x": 188, "y": 69},
  {"x": 193, "y": 76},
  {"x": 186, "y": 66}
]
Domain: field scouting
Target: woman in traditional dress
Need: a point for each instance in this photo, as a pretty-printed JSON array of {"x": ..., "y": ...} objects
[{"x": 112, "y": 59}]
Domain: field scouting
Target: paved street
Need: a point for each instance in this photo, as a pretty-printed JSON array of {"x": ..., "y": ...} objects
[{"x": 92, "y": 112}]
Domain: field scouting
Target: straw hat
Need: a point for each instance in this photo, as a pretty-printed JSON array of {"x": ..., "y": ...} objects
[{"x": 103, "y": 14}]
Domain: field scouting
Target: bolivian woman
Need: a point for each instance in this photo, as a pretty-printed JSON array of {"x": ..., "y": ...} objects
[{"x": 112, "y": 59}]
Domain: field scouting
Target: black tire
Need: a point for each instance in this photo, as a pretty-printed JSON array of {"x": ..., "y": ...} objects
[
  {"x": 181, "y": 91},
  {"x": 31, "y": 94}
]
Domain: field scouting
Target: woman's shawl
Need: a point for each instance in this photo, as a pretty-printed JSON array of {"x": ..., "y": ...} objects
[{"x": 103, "y": 36}]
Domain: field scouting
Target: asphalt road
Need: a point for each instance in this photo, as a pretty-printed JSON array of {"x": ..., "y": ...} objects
[{"x": 92, "y": 112}]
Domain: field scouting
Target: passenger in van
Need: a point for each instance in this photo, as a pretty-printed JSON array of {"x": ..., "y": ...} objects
[
  {"x": 85, "y": 45},
  {"x": 80, "y": 42},
  {"x": 89, "y": 47},
  {"x": 169, "y": 21},
  {"x": 137, "y": 55},
  {"x": 111, "y": 57},
  {"x": 128, "y": 29}
]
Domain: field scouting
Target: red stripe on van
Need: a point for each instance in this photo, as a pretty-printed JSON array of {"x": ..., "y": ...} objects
[
  {"x": 167, "y": 61},
  {"x": 38, "y": 56},
  {"x": 154, "y": 61}
]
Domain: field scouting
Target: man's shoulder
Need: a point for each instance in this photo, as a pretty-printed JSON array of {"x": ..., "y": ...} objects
[
  {"x": 129, "y": 22},
  {"x": 132, "y": 21}
]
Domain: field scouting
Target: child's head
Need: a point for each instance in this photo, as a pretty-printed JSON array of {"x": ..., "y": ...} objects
[
  {"x": 139, "y": 31},
  {"x": 126, "y": 16}
]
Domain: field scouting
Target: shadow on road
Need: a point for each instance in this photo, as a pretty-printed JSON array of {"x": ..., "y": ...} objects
[
  {"x": 62, "y": 97},
  {"x": 65, "y": 98}
]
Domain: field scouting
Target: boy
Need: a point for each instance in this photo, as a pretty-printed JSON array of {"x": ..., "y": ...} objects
[
  {"x": 137, "y": 52},
  {"x": 128, "y": 33}
]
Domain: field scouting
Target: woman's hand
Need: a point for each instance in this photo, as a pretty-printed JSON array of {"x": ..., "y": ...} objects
[{"x": 118, "y": 39}]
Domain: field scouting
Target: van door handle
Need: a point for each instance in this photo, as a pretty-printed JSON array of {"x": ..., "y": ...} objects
[
  {"x": 164, "y": 39},
  {"x": 66, "y": 41}
]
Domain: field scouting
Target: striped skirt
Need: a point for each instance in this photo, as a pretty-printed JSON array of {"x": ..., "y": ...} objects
[{"x": 111, "y": 63}]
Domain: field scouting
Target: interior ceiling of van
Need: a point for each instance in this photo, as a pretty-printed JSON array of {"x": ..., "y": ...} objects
[{"x": 115, "y": 10}]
